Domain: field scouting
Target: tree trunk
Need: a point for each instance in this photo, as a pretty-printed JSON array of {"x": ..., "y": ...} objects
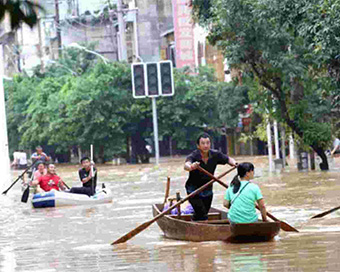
[
  {"x": 139, "y": 151},
  {"x": 101, "y": 158},
  {"x": 170, "y": 146},
  {"x": 319, "y": 150},
  {"x": 128, "y": 146},
  {"x": 312, "y": 160},
  {"x": 80, "y": 155},
  {"x": 297, "y": 94}
]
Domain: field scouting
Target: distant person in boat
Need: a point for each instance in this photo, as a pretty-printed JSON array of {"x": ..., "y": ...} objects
[
  {"x": 19, "y": 160},
  {"x": 39, "y": 155},
  {"x": 49, "y": 181},
  {"x": 208, "y": 159},
  {"x": 85, "y": 175},
  {"x": 41, "y": 170},
  {"x": 242, "y": 196}
]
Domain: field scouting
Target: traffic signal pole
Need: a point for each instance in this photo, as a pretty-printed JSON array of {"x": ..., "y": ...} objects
[
  {"x": 155, "y": 128},
  {"x": 153, "y": 79}
]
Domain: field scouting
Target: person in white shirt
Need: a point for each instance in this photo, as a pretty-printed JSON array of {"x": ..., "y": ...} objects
[
  {"x": 336, "y": 147},
  {"x": 20, "y": 160}
]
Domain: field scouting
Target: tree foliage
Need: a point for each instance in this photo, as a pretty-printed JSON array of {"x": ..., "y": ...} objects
[
  {"x": 291, "y": 49},
  {"x": 95, "y": 106}
]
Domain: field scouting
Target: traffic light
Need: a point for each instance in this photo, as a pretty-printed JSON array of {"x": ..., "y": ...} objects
[
  {"x": 152, "y": 79},
  {"x": 166, "y": 74},
  {"x": 138, "y": 80}
]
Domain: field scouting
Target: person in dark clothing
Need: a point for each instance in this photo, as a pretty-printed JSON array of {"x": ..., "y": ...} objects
[
  {"x": 208, "y": 159},
  {"x": 85, "y": 175}
]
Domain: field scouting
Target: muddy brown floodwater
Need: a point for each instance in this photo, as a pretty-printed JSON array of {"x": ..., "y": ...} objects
[{"x": 78, "y": 238}]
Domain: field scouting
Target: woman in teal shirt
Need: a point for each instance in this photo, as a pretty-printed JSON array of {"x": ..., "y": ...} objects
[{"x": 242, "y": 195}]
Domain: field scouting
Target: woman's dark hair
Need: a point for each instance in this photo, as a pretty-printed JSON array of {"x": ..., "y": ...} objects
[
  {"x": 204, "y": 136},
  {"x": 40, "y": 162},
  {"x": 242, "y": 170},
  {"x": 84, "y": 159}
]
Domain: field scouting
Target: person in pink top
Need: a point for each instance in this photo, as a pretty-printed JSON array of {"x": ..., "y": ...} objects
[{"x": 41, "y": 171}]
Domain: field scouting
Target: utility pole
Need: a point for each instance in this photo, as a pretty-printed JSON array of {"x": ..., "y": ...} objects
[
  {"x": 276, "y": 139},
  {"x": 4, "y": 153},
  {"x": 121, "y": 24},
  {"x": 283, "y": 146},
  {"x": 155, "y": 129},
  {"x": 270, "y": 151},
  {"x": 58, "y": 27},
  {"x": 40, "y": 49}
]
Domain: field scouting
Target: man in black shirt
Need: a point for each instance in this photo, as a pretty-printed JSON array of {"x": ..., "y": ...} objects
[
  {"x": 85, "y": 175},
  {"x": 208, "y": 159}
]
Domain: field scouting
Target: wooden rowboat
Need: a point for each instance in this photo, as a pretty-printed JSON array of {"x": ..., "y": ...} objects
[{"x": 216, "y": 228}]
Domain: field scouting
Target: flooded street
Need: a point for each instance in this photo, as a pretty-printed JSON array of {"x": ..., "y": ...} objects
[{"x": 78, "y": 238}]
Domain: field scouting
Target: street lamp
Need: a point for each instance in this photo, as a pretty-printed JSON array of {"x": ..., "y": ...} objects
[{"x": 75, "y": 45}]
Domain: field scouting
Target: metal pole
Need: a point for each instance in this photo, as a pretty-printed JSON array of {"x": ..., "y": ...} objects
[
  {"x": 283, "y": 146},
  {"x": 270, "y": 151},
  {"x": 4, "y": 153},
  {"x": 291, "y": 147},
  {"x": 57, "y": 22},
  {"x": 276, "y": 139},
  {"x": 155, "y": 128},
  {"x": 121, "y": 25}
]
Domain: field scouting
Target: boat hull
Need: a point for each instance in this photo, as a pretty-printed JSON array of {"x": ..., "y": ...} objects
[
  {"x": 55, "y": 198},
  {"x": 217, "y": 228}
]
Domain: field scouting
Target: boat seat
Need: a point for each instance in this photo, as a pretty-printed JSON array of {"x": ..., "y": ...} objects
[{"x": 187, "y": 217}]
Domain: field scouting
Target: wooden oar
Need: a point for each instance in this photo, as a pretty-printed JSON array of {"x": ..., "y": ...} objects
[
  {"x": 26, "y": 193},
  {"x": 68, "y": 187},
  {"x": 284, "y": 225},
  {"x": 142, "y": 227},
  {"x": 325, "y": 213},
  {"x": 5, "y": 192},
  {"x": 167, "y": 190}
]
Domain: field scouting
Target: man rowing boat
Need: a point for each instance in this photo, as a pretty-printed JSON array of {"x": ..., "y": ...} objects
[
  {"x": 208, "y": 159},
  {"x": 39, "y": 155}
]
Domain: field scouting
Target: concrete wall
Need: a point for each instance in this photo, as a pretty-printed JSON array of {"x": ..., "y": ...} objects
[
  {"x": 148, "y": 30},
  {"x": 165, "y": 16},
  {"x": 103, "y": 34}
]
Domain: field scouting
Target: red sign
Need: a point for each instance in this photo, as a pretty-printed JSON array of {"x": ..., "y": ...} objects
[{"x": 184, "y": 34}]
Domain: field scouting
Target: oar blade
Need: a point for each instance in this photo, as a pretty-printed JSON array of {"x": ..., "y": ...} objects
[
  {"x": 286, "y": 227},
  {"x": 26, "y": 194},
  {"x": 325, "y": 213},
  {"x": 132, "y": 233}
]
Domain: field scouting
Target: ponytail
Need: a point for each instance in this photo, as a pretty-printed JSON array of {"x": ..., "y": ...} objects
[
  {"x": 242, "y": 170},
  {"x": 236, "y": 184}
]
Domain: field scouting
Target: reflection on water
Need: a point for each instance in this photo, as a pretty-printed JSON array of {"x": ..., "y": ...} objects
[
  {"x": 78, "y": 238},
  {"x": 247, "y": 263}
]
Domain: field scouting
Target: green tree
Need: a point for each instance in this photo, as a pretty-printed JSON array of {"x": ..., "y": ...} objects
[{"x": 289, "y": 47}]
